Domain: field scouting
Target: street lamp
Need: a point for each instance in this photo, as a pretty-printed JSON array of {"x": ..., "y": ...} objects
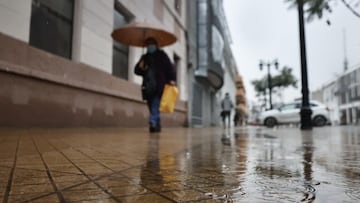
[
  {"x": 305, "y": 112},
  {"x": 268, "y": 64}
]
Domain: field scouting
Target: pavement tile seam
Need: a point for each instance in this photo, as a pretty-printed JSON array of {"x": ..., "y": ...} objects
[
  {"x": 86, "y": 175},
  {"x": 100, "y": 161},
  {"x": 28, "y": 198},
  {"x": 82, "y": 196},
  {"x": 9, "y": 183},
  {"x": 65, "y": 173},
  {"x": 185, "y": 195},
  {"x": 56, "y": 189},
  {"x": 114, "y": 172}
]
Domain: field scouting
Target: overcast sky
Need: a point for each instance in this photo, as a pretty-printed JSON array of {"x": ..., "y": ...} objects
[{"x": 268, "y": 29}]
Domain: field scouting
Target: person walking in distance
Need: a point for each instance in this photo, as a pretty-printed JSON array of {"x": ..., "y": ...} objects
[
  {"x": 226, "y": 105},
  {"x": 157, "y": 70}
]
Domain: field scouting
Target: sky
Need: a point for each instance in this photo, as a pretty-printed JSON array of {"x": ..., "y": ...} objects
[{"x": 268, "y": 30}]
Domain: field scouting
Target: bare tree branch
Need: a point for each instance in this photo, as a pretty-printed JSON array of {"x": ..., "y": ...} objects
[{"x": 357, "y": 14}]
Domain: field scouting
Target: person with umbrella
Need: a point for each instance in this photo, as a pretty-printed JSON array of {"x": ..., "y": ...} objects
[
  {"x": 154, "y": 66},
  {"x": 157, "y": 70}
]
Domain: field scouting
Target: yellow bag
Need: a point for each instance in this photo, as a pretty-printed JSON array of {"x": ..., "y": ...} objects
[{"x": 168, "y": 99}]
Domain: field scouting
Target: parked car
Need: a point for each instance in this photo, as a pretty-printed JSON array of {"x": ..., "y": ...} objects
[{"x": 290, "y": 113}]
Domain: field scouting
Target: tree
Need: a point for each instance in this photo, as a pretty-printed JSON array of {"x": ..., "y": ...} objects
[
  {"x": 284, "y": 79},
  {"x": 317, "y": 8},
  {"x": 279, "y": 82},
  {"x": 260, "y": 85},
  {"x": 260, "y": 89}
]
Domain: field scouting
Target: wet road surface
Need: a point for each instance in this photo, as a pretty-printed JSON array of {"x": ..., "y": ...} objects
[{"x": 180, "y": 165}]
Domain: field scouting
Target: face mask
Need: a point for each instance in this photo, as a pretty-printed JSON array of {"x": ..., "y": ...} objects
[{"x": 151, "y": 49}]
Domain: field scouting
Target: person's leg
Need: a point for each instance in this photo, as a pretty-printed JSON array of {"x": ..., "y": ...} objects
[
  {"x": 229, "y": 121},
  {"x": 156, "y": 106},
  {"x": 149, "y": 104},
  {"x": 223, "y": 119},
  {"x": 158, "y": 127},
  {"x": 154, "y": 119}
]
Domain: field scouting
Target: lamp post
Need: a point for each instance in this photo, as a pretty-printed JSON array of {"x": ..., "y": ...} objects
[
  {"x": 268, "y": 64},
  {"x": 305, "y": 112}
]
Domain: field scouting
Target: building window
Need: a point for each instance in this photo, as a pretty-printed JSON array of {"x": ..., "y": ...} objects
[
  {"x": 217, "y": 43},
  {"x": 354, "y": 75},
  {"x": 178, "y": 6},
  {"x": 51, "y": 26},
  {"x": 202, "y": 34},
  {"x": 120, "y": 51},
  {"x": 343, "y": 98}
]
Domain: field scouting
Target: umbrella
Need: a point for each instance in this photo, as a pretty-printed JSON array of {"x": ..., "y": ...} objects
[{"x": 135, "y": 33}]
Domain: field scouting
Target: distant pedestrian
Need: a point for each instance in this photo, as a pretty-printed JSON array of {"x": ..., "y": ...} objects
[
  {"x": 237, "y": 117},
  {"x": 227, "y": 106},
  {"x": 157, "y": 70}
]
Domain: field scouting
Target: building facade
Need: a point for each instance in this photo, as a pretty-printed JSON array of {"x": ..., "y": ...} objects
[
  {"x": 328, "y": 96},
  {"x": 241, "y": 103},
  {"x": 59, "y": 65},
  {"x": 349, "y": 96},
  {"x": 342, "y": 96},
  {"x": 212, "y": 68}
]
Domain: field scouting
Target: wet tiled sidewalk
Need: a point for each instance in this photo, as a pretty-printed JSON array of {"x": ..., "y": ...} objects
[{"x": 180, "y": 165}]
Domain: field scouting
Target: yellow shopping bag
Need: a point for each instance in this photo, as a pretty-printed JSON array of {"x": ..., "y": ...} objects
[{"x": 168, "y": 99}]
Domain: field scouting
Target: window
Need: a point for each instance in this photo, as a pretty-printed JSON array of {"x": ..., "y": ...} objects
[
  {"x": 343, "y": 98},
  {"x": 217, "y": 45},
  {"x": 290, "y": 107},
  {"x": 202, "y": 34},
  {"x": 178, "y": 6},
  {"x": 354, "y": 76},
  {"x": 51, "y": 26},
  {"x": 120, "y": 51},
  {"x": 353, "y": 92}
]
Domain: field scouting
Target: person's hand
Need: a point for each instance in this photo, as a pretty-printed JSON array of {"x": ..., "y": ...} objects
[
  {"x": 142, "y": 64},
  {"x": 173, "y": 83}
]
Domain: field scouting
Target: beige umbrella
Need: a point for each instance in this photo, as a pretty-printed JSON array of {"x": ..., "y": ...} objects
[{"x": 135, "y": 33}]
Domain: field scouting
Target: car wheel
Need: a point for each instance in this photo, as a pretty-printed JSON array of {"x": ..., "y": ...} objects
[
  {"x": 319, "y": 121},
  {"x": 270, "y": 122}
]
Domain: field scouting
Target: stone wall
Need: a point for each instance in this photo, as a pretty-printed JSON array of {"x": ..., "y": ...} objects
[{"x": 38, "y": 89}]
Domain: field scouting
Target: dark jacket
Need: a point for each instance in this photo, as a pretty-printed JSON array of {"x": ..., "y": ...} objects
[{"x": 162, "y": 68}]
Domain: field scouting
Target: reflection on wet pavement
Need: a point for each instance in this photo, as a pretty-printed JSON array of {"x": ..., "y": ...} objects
[{"x": 180, "y": 165}]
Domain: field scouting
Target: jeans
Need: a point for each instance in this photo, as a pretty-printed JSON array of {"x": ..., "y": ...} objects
[{"x": 153, "y": 104}]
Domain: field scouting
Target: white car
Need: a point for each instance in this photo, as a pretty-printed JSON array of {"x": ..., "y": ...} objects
[{"x": 290, "y": 113}]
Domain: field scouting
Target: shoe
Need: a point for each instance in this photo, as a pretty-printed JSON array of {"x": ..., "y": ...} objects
[
  {"x": 152, "y": 129},
  {"x": 158, "y": 128}
]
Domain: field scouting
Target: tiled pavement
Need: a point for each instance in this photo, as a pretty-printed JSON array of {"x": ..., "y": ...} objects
[
  {"x": 94, "y": 165},
  {"x": 179, "y": 165}
]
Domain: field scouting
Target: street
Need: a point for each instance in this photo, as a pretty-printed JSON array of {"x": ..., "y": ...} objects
[{"x": 247, "y": 164}]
